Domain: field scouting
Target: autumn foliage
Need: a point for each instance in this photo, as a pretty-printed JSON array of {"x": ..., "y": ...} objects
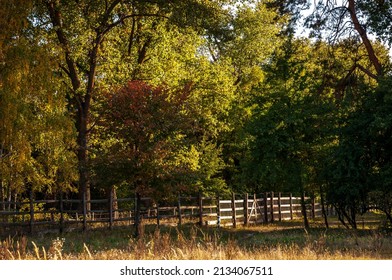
[{"x": 145, "y": 128}]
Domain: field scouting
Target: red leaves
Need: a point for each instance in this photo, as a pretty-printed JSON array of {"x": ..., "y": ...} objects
[
  {"x": 150, "y": 123},
  {"x": 139, "y": 112}
]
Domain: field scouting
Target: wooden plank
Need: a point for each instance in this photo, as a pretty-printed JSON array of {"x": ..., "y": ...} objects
[
  {"x": 46, "y": 201},
  {"x": 111, "y": 209},
  {"x": 286, "y": 212},
  {"x": 209, "y": 206},
  {"x": 218, "y": 211},
  {"x": 84, "y": 206},
  {"x": 313, "y": 207},
  {"x": 211, "y": 215},
  {"x": 61, "y": 206},
  {"x": 233, "y": 210},
  {"x": 272, "y": 206},
  {"x": 97, "y": 201},
  {"x": 179, "y": 211},
  {"x": 125, "y": 199},
  {"x": 225, "y": 201},
  {"x": 200, "y": 210},
  {"x": 158, "y": 215},
  {"x": 285, "y": 208},
  {"x": 246, "y": 201},
  {"x": 189, "y": 197},
  {"x": 265, "y": 208},
  {"x": 226, "y": 217},
  {"x": 226, "y": 209},
  {"x": 31, "y": 224},
  {"x": 279, "y": 207},
  {"x": 98, "y": 211}
]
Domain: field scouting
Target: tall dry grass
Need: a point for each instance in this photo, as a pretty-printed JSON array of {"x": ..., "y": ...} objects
[{"x": 193, "y": 243}]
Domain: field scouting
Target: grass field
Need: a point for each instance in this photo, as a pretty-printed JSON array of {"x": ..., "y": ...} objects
[{"x": 280, "y": 241}]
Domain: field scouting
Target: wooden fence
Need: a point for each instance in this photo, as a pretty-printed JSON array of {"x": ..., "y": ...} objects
[{"x": 61, "y": 214}]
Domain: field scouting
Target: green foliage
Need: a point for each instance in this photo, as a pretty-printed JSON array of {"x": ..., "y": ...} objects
[
  {"x": 168, "y": 97},
  {"x": 379, "y": 18},
  {"x": 290, "y": 123},
  {"x": 36, "y": 135},
  {"x": 148, "y": 143},
  {"x": 358, "y": 168}
]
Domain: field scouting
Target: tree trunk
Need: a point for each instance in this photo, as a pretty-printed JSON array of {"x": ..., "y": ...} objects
[
  {"x": 138, "y": 227},
  {"x": 389, "y": 217},
  {"x": 2, "y": 195},
  {"x": 324, "y": 213},
  {"x": 81, "y": 100},
  {"x": 9, "y": 196},
  {"x": 84, "y": 174},
  {"x": 341, "y": 217},
  {"x": 303, "y": 210}
]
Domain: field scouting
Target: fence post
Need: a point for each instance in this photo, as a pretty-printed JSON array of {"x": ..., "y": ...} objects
[
  {"x": 200, "y": 209},
  {"x": 265, "y": 202},
  {"x": 233, "y": 210},
  {"x": 255, "y": 206},
  {"x": 272, "y": 207},
  {"x": 61, "y": 212},
  {"x": 84, "y": 212},
  {"x": 280, "y": 206},
  {"x": 111, "y": 209},
  {"x": 218, "y": 216},
  {"x": 31, "y": 224},
  {"x": 179, "y": 211},
  {"x": 291, "y": 206},
  {"x": 313, "y": 207},
  {"x": 158, "y": 217},
  {"x": 246, "y": 209}
]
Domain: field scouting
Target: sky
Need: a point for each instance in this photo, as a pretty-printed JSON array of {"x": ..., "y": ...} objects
[{"x": 303, "y": 32}]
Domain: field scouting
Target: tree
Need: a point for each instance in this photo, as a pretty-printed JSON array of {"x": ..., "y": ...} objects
[
  {"x": 358, "y": 169},
  {"x": 144, "y": 127},
  {"x": 246, "y": 46},
  {"x": 79, "y": 31},
  {"x": 354, "y": 19},
  {"x": 148, "y": 145},
  {"x": 36, "y": 138},
  {"x": 290, "y": 123}
]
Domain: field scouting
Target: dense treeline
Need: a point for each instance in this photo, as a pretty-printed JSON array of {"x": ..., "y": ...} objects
[{"x": 160, "y": 98}]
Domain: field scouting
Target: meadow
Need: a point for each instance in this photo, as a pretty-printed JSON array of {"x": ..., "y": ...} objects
[{"x": 278, "y": 241}]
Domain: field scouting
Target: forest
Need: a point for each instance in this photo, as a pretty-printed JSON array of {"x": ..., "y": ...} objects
[{"x": 166, "y": 97}]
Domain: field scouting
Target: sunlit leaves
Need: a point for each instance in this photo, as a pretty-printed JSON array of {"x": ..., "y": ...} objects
[{"x": 36, "y": 135}]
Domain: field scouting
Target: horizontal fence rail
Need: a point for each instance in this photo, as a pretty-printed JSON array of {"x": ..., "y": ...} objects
[{"x": 66, "y": 215}]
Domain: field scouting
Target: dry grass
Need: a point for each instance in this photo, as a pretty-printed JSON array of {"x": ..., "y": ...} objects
[{"x": 280, "y": 241}]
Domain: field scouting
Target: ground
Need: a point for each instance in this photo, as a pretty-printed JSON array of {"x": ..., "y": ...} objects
[{"x": 280, "y": 240}]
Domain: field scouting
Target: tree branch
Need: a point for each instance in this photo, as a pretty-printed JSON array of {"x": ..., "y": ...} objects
[
  {"x": 124, "y": 17},
  {"x": 131, "y": 36},
  {"x": 362, "y": 33},
  {"x": 56, "y": 20},
  {"x": 367, "y": 71}
]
